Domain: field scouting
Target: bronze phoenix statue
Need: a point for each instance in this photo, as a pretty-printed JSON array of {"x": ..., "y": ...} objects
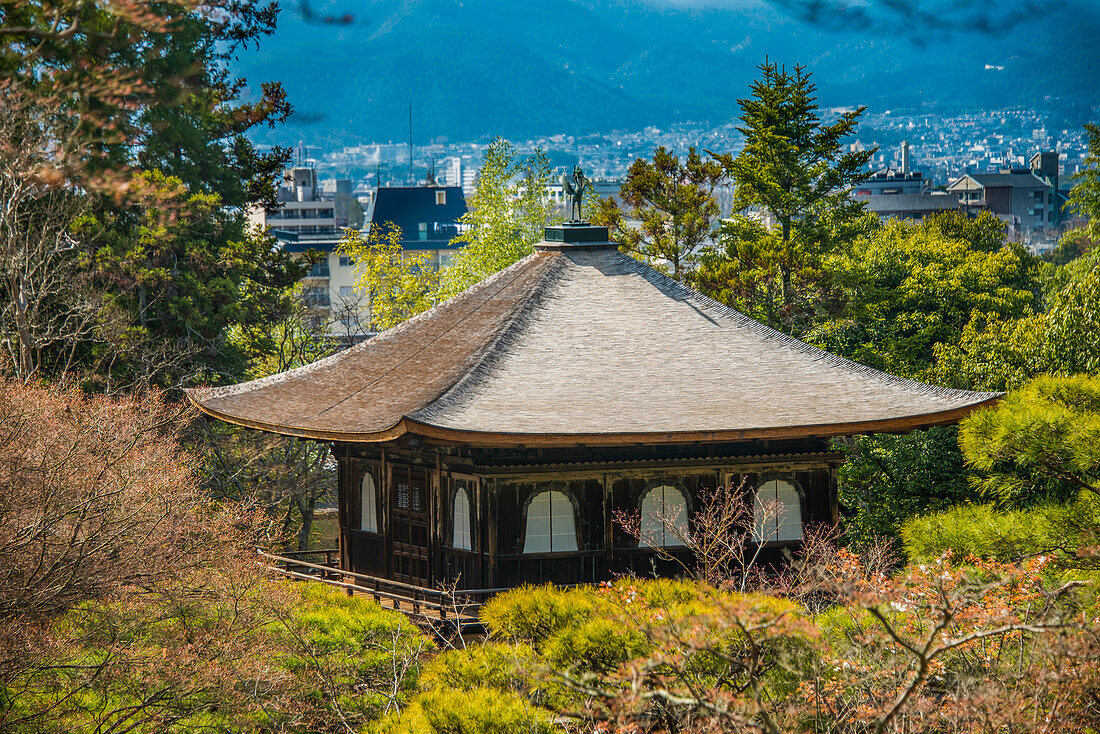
[{"x": 574, "y": 187}]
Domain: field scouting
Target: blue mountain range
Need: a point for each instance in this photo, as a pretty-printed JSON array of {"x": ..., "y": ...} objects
[{"x": 477, "y": 68}]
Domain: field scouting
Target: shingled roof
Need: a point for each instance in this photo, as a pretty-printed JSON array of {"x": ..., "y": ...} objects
[{"x": 581, "y": 344}]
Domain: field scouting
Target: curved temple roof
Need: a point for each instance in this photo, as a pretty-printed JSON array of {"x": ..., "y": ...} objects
[{"x": 581, "y": 344}]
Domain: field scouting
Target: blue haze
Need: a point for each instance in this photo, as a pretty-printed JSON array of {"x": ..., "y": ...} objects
[{"x": 521, "y": 68}]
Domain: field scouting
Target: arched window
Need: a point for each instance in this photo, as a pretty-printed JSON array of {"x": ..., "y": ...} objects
[
  {"x": 777, "y": 512},
  {"x": 551, "y": 527},
  {"x": 368, "y": 508},
  {"x": 461, "y": 520},
  {"x": 664, "y": 517}
]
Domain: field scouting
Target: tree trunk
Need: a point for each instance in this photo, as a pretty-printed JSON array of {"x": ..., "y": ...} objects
[
  {"x": 25, "y": 368},
  {"x": 305, "y": 509},
  {"x": 785, "y": 266}
]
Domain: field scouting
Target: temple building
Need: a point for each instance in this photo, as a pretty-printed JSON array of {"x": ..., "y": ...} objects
[{"x": 495, "y": 439}]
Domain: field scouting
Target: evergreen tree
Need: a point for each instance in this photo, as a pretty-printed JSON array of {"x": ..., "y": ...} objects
[
  {"x": 791, "y": 189},
  {"x": 107, "y": 70},
  {"x": 1039, "y": 443},
  {"x": 145, "y": 118},
  {"x": 674, "y": 204},
  {"x": 1084, "y": 201}
]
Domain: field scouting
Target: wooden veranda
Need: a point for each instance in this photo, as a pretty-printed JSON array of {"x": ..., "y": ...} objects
[{"x": 440, "y": 609}]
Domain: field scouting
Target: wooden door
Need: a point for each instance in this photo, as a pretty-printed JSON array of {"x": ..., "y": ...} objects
[{"x": 411, "y": 562}]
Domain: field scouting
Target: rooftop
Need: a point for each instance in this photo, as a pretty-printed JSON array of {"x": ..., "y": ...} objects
[
  {"x": 1008, "y": 179},
  {"x": 910, "y": 203},
  {"x": 427, "y": 215},
  {"x": 581, "y": 344}
]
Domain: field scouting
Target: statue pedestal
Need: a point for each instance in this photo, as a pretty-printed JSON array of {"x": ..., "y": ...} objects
[{"x": 581, "y": 235}]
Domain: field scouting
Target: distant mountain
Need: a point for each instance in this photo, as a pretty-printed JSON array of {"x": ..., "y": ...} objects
[{"x": 477, "y": 68}]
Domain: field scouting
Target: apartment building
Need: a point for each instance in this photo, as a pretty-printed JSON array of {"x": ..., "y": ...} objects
[{"x": 309, "y": 220}]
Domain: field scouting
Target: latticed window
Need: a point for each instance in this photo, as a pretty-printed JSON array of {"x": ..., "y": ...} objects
[
  {"x": 777, "y": 512},
  {"x": 461, "y": 519},
  {"x": 368, "y": 509},
  {"x": 551, "y": 527},
  {"x": 664, "y": 517}
]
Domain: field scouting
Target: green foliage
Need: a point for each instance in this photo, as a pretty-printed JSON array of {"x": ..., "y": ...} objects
[
  {"x": 1084, "y": 197},
  {"x": 943, "y": 301},
  {"x": 508, "y": 211},
  {"x": 395, "y": 284},
  {"x": 343, "y": 642},
  {"x": 594, "y": 646},
  {"x": 471, "y": 711},
  {"x": 983, "y": 233},
  {"x": 841, "y": 624},
  {"x": 1072, "y": 319},
  {"x": 986, "y": 531},
  {"x": 674, "y": 204},
  {"x": 907, "y": 289},
  {"x": 534, "y": 613},
  {"x": 148, "y": 123},
  {"x": 279, "y": 343},
  {"x": 998, "y": 353},
  {"x": 666, "y": 593},
  {"x": 1042, "y": 441},
  {"x": 182, "y": 272},
  {"x": 270, "y": 657},
  {"x": 991, "y": 353},
  {"x": 197, "y": 121},
  {"x": 980, "y": 530},
  {"x": 888, "y": 479},
  {"x": 595, "y": 631},
  {"x": 496, "y": 665},
  {"x": 794, "y": 180},
  {"x": 599, "y": 639},
  {"x": 1073, "y": 245},
  {"x": 147, "y": 84}
]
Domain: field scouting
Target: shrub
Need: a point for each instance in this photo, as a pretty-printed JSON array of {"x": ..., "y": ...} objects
[
  {"x": 489, "y": 665},
  {"x": 597, "y": 645},
  {"x": 347, "y": 653},
  {"x": 667, "y": 592},
  {"x": 979, "y": 530},
  {"x": 474, "y": 711},
  {"x": 534, "y": 613},
  {"x": 234, "y": 654}
]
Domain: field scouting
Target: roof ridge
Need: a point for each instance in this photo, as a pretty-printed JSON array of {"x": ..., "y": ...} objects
[
  {"x": 380, "y": 338},
  {"x": 666, "y": 283},
  {"x": 491, "y": 351},
  {"x": 509, "y": 274}
]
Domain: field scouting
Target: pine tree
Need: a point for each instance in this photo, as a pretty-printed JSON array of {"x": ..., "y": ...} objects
[
  {"x": 791, "y": 186},
  {"x": 674, "y": 203}
]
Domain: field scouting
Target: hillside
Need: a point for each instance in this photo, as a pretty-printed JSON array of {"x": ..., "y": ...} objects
[{"x": 487, "y": 67}]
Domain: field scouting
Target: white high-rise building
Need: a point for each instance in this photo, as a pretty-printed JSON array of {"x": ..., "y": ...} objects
[{"x": 451, "y": 175}]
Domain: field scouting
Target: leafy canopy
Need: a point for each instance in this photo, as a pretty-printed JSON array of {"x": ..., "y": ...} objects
[
  {"x": 395, "y": 285},
  {"x": 674, "y": 204},
  {"x": 1084, "y": 197},
  {"x": 887, "y": 479},
  {"x": 1003, "y": 351},
  {"x": 907, "y": 288},
  {"x": 509, "y": 208}
]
